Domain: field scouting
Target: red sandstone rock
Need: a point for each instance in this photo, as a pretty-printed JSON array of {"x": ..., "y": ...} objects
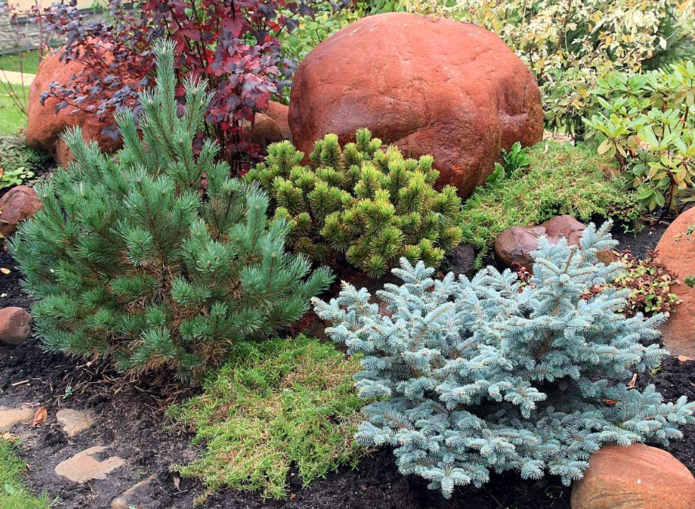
[
  {"x": 676, "y": 250},
  {"x": 515, "y": 245},
  {"x": 635, "y": 477},
  {"x": 45, "y": 126},
  {"x": 271, "y": 125},
  {"x": 19, "y": 204},
  {"x": 431, "y": 86},
  {"x": 14, "y": 325}
]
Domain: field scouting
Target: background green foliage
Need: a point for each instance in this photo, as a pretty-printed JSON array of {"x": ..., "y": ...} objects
[
  {"x": 12, "y": 119},
  {"x": 648, "y": 125},
  {"x": 373, "y": 205},
  {"x": 18, "y": 162},
  {"x": 274, "y": 405},
  {"x": 12, "y": 494},
  {"x": 130, "y": 260},
  {"x": 561, "y": 179}
]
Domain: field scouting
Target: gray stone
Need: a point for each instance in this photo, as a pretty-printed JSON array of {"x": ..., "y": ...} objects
[
  {"x": 83, "y": 467},
  {"x": 140, "y": 495}
]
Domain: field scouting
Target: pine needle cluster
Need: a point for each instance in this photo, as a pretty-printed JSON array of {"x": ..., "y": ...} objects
[
  {"x": 484, "y": 375},
  {"x": 372, "y": 205},
  {"x": 130, "y": 259}
]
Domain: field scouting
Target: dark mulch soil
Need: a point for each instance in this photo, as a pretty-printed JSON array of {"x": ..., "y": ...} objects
[{"x": 130, "y": 420}]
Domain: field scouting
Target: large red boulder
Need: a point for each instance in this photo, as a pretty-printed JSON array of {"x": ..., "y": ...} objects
[
  {"x": 430, "y": 86},
  {"x": 676, "y": 250},
  {"x": 45, "y": 125},
  {"x": 635, "y": 477}
]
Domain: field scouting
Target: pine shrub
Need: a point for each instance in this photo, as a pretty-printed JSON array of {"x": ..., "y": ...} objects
[
  {"x": 375, "y": 206},
  {"x": 130, "y": 259},
  {"x": 484, "y": 374}
]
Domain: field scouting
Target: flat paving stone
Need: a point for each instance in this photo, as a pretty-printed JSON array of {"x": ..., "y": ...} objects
[
  {"x": 138, "y": 495},
  {"x": 74, "y": 421},
  {"x": 83, "y": 467},
  {"x": 11, "y": 416}
]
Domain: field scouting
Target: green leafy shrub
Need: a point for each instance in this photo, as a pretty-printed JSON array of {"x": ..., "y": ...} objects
[
  {"x": 484, "y": 375},
  {"x": 130, "y": 260},
  {"x": 648, "y": 125},
  {"x": 374, "y": 206},
  {"x": 18, "y": 162},
  {"x": 512, "y": 161},
  {"x": 274, "y": 405},
  {"x": 560, "y": 179}
]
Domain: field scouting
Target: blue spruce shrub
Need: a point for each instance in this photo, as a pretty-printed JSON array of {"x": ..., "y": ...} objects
[{"x": 488, "y": 374}]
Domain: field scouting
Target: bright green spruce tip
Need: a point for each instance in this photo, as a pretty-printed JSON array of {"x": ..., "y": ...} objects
[
  {"x": 13, "y": 495},
  {"x": 561, "y": 179},
  {"x": 276, "y": 404}
]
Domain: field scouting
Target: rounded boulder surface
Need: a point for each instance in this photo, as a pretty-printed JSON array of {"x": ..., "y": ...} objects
[
  {"x": 14, "y": 325},
  {"x": 19, "y": 204},
  {"x": 635, "y": 477},
  {"x": 45, "y": 126},
  {"x": 429, "y": 86},
  {"x": 676, "y": 250}
]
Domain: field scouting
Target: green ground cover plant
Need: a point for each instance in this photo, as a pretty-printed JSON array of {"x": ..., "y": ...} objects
[
  {"x": 130, "y": 260},
  {"x": 560, "y": 179},
  {"x": 489, "y": 375},
  {"x": 13, "y": 494},
  {"x": 12, "y": 118},
  {"x": 18, "y": 162},
  {"x": 375, "y": 206},
  {"x": 281, "y": 403}
]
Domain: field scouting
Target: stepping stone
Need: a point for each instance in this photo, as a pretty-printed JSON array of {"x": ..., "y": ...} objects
[
  {"x": 11, "y": 416},
  {"x": 135, "y": 496},
  {"x": 74, "y": 421},
  {"x": 82, "y": 467}
]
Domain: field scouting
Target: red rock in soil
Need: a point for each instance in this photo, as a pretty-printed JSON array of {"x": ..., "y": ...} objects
[
  {"x": 45, "y": 126},
  {"x": 431, "y": 86},
  {"x": 515, "y": 245},
  {"x": 635, "y": 477},
  {"x": 19, "y": 204},
  {"x": 271, "y": 125},
  {"x": 14, "y": 325},
  {"x": 676, "y": 250}
]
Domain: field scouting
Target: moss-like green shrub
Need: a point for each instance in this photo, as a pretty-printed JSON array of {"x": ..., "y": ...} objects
[
  {"x": 274, "y": 405},
  {"x": 561, "y": 179},
  {"x": 375, "y": 206}
]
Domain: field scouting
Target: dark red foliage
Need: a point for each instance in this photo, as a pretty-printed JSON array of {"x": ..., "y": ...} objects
[{"x": 233, "y": 44}]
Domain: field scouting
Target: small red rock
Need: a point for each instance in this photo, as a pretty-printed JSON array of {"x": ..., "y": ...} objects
[
  {"x": 19, "y": 204},
  {"x": 271, "y": 125},
  {"x": 430, "y": 86},
  {"x": 14, "y": 325},
  {"x": 515, "y": 244},
  {"x": 635, "y": 477}
]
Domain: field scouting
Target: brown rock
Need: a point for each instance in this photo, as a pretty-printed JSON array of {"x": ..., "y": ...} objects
[
  {"x": 45, "y": 126},
  {"x": 14, "y": 325},
  {"x": 271, "y": 126},
  {"x": 11, "y": 416},
  {"x": 74, "y": 421},
  {"x": 84, "y": 467},
  {"x": 139, "y": 495},
  {"x": 430, "y": 86},
  {"x": 515, "y": 244},
  {"x": 19, "y": 204},
  {"x": 635, "y": 477},
  {"x": 676, "y": 250}
]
